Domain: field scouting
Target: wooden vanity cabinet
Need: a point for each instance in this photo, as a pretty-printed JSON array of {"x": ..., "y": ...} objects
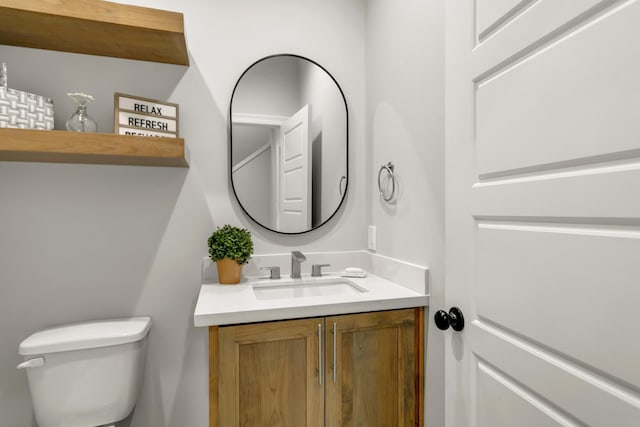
[
  {"x": 378, "y": 369},
  {"x": 267, "y": 375},
  {"x": 283, "y": 374}
]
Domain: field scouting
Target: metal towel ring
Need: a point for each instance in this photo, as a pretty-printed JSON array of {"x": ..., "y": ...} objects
[{"x": 389, "y": 167}]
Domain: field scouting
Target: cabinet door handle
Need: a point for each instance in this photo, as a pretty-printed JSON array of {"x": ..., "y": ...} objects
[
  {"x": 320, "y": 353},
  {"x": 335, "y": 351}
]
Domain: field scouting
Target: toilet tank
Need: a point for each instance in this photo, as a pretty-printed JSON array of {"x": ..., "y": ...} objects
[{"x": 86, "y": 374}]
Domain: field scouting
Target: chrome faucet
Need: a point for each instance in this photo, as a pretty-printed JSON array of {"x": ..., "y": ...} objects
[{"x": 297, "y": 258}]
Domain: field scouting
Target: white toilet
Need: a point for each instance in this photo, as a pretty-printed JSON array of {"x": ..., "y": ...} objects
[{"x": 86, "y": 374}]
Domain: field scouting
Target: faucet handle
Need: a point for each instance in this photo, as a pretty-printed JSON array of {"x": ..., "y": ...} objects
[
  {"x": 275, "y": 272},
  {"x": 316, "y": 269},
  {"x": 299, "y": 256}
]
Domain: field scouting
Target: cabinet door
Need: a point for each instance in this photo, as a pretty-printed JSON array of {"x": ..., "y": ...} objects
[
  {"x": 268, "y": 374},
  {"x": 378, "y": 369}
]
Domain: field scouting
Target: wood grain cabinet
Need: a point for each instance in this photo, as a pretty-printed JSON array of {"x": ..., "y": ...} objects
[{"x": 349, "y": 370}]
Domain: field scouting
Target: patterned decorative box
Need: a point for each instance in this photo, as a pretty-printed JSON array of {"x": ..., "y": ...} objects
[{"x": 23, "y": 110}]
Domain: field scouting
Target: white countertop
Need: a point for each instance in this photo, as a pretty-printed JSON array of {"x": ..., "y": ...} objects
[{"x": 231, "y": 304}]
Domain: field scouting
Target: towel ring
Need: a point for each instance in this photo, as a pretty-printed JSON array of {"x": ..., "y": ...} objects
[
  {"x": 342, "y": 179},
  {"x": 389, "y": 167}
]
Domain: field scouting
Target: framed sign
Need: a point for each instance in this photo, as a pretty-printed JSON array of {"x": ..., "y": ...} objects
[{"x": 134, "y": 115}]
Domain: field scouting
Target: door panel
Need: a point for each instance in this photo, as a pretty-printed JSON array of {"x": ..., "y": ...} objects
[
  {"x": 548, "y": 282},
  {"x": 279, "y": 366},
  {"x": 264, "y": 381},
  {"x": 502, "y": 402},
  {"x": 589, "y": 191},
  {"x": 294, "y": 213},
  {"x": 537, "y": 112},
  {"x": 534, "y": 26},
  {"x": 375, "y": 370},
  {"x": 492, "y": 14},
  {"x": 583, "y": 394},
  {"x": 543, "y": 218}
]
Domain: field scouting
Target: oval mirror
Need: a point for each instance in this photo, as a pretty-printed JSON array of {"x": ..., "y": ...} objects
[{"x": 288, "y": 144}]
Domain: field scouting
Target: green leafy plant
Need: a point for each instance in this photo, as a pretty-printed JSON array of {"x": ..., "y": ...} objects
[{"x": 231, "y": 242}]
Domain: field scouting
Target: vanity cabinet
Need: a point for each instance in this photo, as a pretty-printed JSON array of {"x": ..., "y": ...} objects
[
  {"x": 356, "y": 369},
  {"x": 267, "y": 374},
  {"x": 378, "y": 369}
]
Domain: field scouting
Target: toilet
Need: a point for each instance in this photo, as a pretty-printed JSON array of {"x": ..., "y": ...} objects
[{"x": 86, "y": 374}]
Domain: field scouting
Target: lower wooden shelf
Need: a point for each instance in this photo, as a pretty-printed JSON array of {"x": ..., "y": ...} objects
[{"x": 54, "y": 146}]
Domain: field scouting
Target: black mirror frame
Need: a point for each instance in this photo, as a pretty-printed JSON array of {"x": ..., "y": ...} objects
[{"x": 346, "y": 110}]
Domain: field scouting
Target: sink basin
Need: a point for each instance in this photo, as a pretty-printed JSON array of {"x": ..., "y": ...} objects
[{"x": 286, "y": 290}]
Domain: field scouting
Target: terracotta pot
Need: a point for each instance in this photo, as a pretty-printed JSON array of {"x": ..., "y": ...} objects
[{"x": 229, "y": 271}]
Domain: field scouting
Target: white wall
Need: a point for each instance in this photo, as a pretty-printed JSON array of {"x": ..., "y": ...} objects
[
  {"x": 405, "y": 125},
  {"x": 328, "y": 125},
  {"x": 84, "y": 242},
  {"x": 247, "y": 139},
  {"x": 81, "y": 242},
  {"x": 269, "y": 87},
  {"x": 252, "y": 175},
  {"x": 253, "y": 187}
]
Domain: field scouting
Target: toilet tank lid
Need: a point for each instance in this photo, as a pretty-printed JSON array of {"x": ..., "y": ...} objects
[{"x": 85, "y": 335}]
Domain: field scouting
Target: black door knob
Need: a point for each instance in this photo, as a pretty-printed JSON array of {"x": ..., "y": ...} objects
[{"x": 454, "y": 318}]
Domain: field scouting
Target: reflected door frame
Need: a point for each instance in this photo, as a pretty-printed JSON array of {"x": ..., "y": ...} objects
[{"x": 274, "y": 123}]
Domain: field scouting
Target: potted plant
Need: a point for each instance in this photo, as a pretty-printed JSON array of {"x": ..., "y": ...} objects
[{"x": 230, "y": 247}]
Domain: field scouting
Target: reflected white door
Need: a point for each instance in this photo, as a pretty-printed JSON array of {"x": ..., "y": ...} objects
[
  {"x": 294, "y": 200},
  {"x": 543, "y": 213}
]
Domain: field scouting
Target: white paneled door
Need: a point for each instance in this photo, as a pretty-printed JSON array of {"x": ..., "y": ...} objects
[
  {"x": 294, "y": 212},
  {"x": 543, "y": 213}
]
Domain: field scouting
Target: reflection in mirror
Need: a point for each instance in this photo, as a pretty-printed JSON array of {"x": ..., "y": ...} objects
[{"x": 289, "y": 144}]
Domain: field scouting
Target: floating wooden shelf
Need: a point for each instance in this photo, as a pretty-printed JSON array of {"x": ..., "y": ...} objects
[
  {"x": 55, "y": 146},
  {"x": 95, "y": 27}
]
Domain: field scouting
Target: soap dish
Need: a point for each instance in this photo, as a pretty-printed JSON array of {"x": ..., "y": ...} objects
[{"x": 353, "y": 272}]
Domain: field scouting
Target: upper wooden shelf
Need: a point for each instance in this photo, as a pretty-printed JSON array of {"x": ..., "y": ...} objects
[
  {"x": 56, "y": 146},
  {"x": 95, "y": 27}
]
